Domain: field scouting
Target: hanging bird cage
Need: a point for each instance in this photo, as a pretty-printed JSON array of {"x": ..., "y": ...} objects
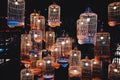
[
  {"x": 50, "y": 38},
  {"x": 49, "y": 70},
  {"x": 86, "y": 68},
  {"x": 27, "y": 74},
  {"x": 114, "y": 14},
  {"x": 54, "y": 15},
  {"x": 16, "y": 13},
  {"x": 102, "y": 44},
  {"x": 96, "y": 66},
  {"x": 66, "y": 44},
  {"x": 56, "y": 52},
  {"x": 36, "y": 37},
  {"x": 26, "y": 44},
  {"x": 86, "y": 27},
  {"x": 74, "y": 64},
  {"x": 34, "y": 20},
  {"x": 114, "y": 69},
  {"x": 75, "y": 57}
]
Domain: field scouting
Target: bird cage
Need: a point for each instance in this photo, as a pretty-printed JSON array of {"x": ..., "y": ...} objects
[
  {"x": 102, "y": 44},
  {"x": 56, "y": 52},
  {"x": 87, "y": 27},
  {"x": 36, "y": 37},
  {"x": 26, "y": 44},
  {"x": 75, "y": 73},
  {"x": 49, "y": 70},
  {"x": 96, "y": 65},
  {"x": 114, "y": 14},
  {"x": 75, "y": 57},
  {"x": 114, "y": 69},
  {"x": 16, "y": 13},
  {"x": 54, "y": 15},
  {"x": 74, "y": 64},
  {"x": 34, "y": 20},
  {"x": 34, "y": 56},
  {"x": 27, "y": 73},
  {"x": 66, "y": 44},
  {"x": 50, "y": 38},
  {"x": 86, "y": 69}
]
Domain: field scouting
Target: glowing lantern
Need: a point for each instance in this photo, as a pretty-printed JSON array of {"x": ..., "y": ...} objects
[
  {"x": 114, "y": 69},
  {"x": 49, "y": 70},
  {"x": 86, "y": 27},
  {"x": 26, "y": 44},
  {"x": 86, "y": 69},
  {"x": 66, "y": 44},
  {"x": 56, "y": 52},
  {"x": 27, "y": 73},
  {"x": 34, "y": 56},
  {"x": 114, "y": 14},
  {"x": 54, "y": 15},
  {"x": 50, "y": 38},
  {"x": 16, "y": 13},
  {"x": 36, "y": 37},
  {"x": 74, "y": 62},
  {"x": 34, "y": 20},
  {"x": 102, "y": 44},
  {"x": 96, "y": 68}
]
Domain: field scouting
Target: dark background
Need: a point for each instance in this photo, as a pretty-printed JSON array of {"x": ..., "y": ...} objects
[{"x": 70, "y": 12}]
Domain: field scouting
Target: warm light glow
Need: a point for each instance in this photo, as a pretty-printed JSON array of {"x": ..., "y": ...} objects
[
  {"x": 86, "y": 64},
  {"x": 67, "y": 41},
  {"x": 35, "y": 35},
  {"x": 54, "y": 10},
  {"x": 94, "y": 62},
  {"x": 88, "y": 19},
  {"x": 75, "y": 54},
  {"x": 115, "y": 70},
  {"x": 50, "y": 34},
  {"x": 62, "y": 42},
  {"x": 16, "y": 2},
  {"x": 48, "y": 62},
  {"x": 101, "y": 37},
  {"x": 115, "y": 7},
  {"x": 81, "y": 23},
  {"x": 40, "y": 64},
  {"x": 39, "y": 20},
  {"x": 35, "y": 55},
  {"x": 28, "y": 44},
  {"x": 56, "y": 49},
  {"x": 27, "y": 74}
]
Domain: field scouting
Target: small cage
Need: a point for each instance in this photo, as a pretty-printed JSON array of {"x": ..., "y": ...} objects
[
  {"x": 66, "y": 44},
  {"x": 114, "y": 70},
  {"x": 27, "y": 74},
  {"x": 54, "y": 15},
  {"x": 102, "y": 44},
  {"x": 96, "y": 66},
  {"x": 75, "y": 57},
  {"x": 36, "y": 37},
  {"x": 86, "y": 27},
  {"x": 86, "y": 68},
  {"x": 49, "y": 70},
  {"x": 75, "y": 73},
  {"x": 56, "y": 52},
  {"x": 26, "y": 44},
  {"x": 16, "y": 13},
  {"x": 34, "y": 20},
  {"x": 114, "y": 14},
  {"x": 50, "y": 38}
]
